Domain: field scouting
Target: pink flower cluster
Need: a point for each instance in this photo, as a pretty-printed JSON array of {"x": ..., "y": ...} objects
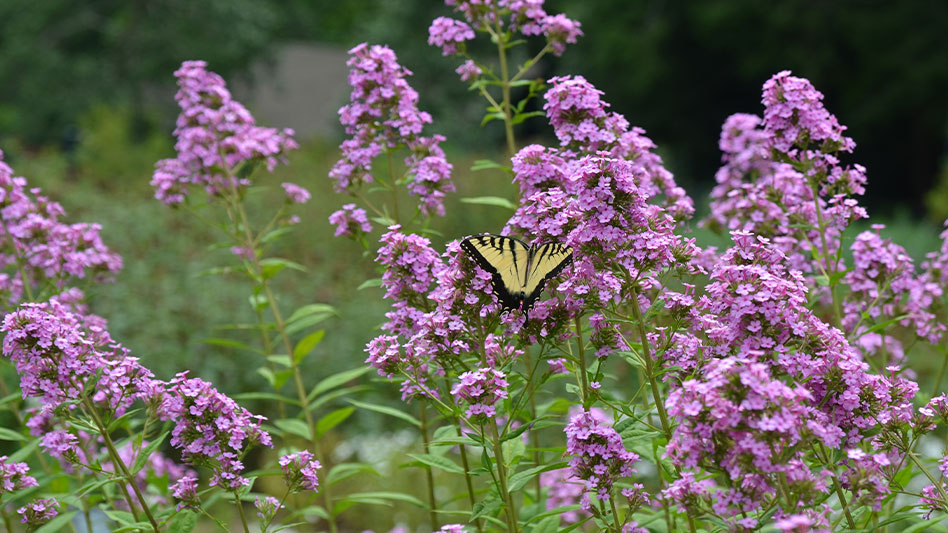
[
  {"x": 35, "y": 243},
  {"x": 382, "y": 114},
  {"x": 216, "y": 136},
  {"x": 185, "y": 490},
  {"x": 771, "y": 379},
  {"x": 525, "y": 16},
  {"x": 210, "y": 429},
  {"x": 599, "y": 458},
  {"x": 299, "y": 471},
  {"x": 579, "y": 118},
  {"x": 350, "y": 221},
  {"x": 782, "y": 178},
  {"x": 14, "y": 476},
  {"x": 59, "y": 354},
  {"x": 882, "y": 284},
  {"x": 481, "y": 389},
  {"x": 39, "y": 511}
]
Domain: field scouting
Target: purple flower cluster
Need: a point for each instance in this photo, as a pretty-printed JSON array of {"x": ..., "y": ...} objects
[
  {"x": 882, "y": 284},
  {"x": 267, "y": 507},
  {"x": 14, "y": 476},
  {"x": 39, "y": 511},
  {"x": 350, "y": 221},
  {"x": 299, "y": 471},
  {"x": 215, "y": 136},
  {"x": 771, "y": 380},
  {"x": 38, "y": 250},
  {"x": 525, "y": 16},
  {"x": 382, "y": 115},
  {"x": 481, "y": 389},
  {"x": 599, "y": 458},
  {"x": 185, "y": 490},
  {"x": 782, "y": 178},
  {"x": 210, "y": 429},
  {"x": 295, "y": 194},
  {"x": 579, "y": 118},
  {"x": 58, "y": 356}
]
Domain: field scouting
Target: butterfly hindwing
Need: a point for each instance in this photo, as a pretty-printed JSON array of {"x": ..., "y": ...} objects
[
  {"x": 546, "y": 261},
  {"x": 518, "y": 272}
]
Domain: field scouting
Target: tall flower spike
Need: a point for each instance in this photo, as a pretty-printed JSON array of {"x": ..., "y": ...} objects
[
  {"x": 216, "y": 135},
  {"x": 382, "y": 114}
]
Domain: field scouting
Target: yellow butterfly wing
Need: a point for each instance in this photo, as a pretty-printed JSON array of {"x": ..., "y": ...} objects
[
  {"x": 546, "y": 261},
  {"x": 518, "y": 272}
]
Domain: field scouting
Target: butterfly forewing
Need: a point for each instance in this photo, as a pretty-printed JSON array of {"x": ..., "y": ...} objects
[{"x": 518, "y": 272}]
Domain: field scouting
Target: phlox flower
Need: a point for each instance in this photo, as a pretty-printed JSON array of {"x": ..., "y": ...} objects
[
  {"x": 216, "y": 135},
  {"x": 350, "y": 221},
  {"x": 598, "y": 457},
  {"x": 210, "y": 429},
  {"x": 14, "y": 476},
  {"x": 382, "y": 114},
  {"x": 39, "y": 511},
  {"x": 481, "y": 389},
  {"x": 299, "y": 471}
]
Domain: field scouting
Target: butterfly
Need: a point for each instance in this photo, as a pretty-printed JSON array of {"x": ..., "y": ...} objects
[{"x": 518, "y": 272}]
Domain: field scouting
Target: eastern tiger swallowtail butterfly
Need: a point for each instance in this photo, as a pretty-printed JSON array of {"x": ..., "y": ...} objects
[{"x": 518, "y": 271}]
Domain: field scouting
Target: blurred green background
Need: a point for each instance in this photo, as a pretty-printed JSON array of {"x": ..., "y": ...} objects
[{"x": 87, "y": 107}]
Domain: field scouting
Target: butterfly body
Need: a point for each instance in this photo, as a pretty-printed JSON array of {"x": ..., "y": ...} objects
[{"x": 518, "y": 271}]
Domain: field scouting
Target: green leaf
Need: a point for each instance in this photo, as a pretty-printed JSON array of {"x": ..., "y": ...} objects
[
  {"x": 93, "y": 484},
  {"x": 23, "y": 452},
  {"x": 268, "y": 375},
  {"x": 347, "y": 470},
  {"x": 442, "y": 463},
  {"x": 9, "y": 434},
  {"x": 266, "y": 396},
  {"x": 485, "y": 507},
  {"x": 485, "y": 164},
  {"x": 370, "y": 283},
  {"x": 550, "y": 524},
  {"x": 306, "y": 345},
  {"x": 520, "y": 117},
  {"x": 336, "y": 380},
  {"x": 276, "y": 234},
  {"x": 58, "y": 523},
  {"x": 183, "y": 522},
  {"x": 492, "y": 116},
  {"x": 520, "y": 479},
  {"x": 394, "y": 496},
  {"x": 122, "y": 517},
  {"x": 312, "y": 510},
  {"x": 294, "y": 426},
  {"x": 311, "y": 309},
  {"x": 280, "y": 359},
  {"x": 306, "y": 322},
  {"x": 387, "y": 411},
  {"x": 144, "y": 454},
  {"x": 273, "y": 265},
  {"x": 229, "y": 343},
  {"x": 490, "y": 200},
  {"x": 332, "y": 420}
]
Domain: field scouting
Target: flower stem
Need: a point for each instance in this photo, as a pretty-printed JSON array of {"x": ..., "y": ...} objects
[
  {"x": 240, "y": 511},
  {"x": 119, "y": 464},
  {"x": 242, "y": 220},
  {"x": 649, "y": 369},
  {"x": 615, "y": 514},
  {"x": 582, "y": 361},
  {"x": 502, "y": 478},
  {"x": 505, "y": 88},
  {"x": 467, "y": 474},
  {"x": 432, "y": 504}
]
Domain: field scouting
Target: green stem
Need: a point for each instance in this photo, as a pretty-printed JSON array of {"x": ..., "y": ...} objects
[
  {"x": 649, "y": 369},
  {"x": 6, "y": 519},
  {"x": 394, "y": 188},
  {"x": 294, "y": 366},
  {"x": 582, "y": 361},
  {"x": 615, "y": 514},
  {"x": 941, "y": 374},
  {"x": 842, "y": 500},
  {"x": 432, "y": 504},
  {"x": 119, "y": 464},
  {"x": 502, "y": 478},
  {"x": 467, "y": 474},
  {"x": 240, "y": 511},
  {"x": 825, "y": 257},
  {"x": 505, "y": 88}
]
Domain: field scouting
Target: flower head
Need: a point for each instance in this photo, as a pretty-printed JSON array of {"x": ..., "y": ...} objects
[
  {"x": 481, "y": 389},
  {"x": 210, "y": 429},
  {"x": 598, "y": 456},
  {"x": 299, "y": 471},
  {"x": 13, "y": 476},
  {"x": 215, "y": 136},
  {"x": 185, "y": 490},
  {"x": 39, "y": 511},
  {"x": 350, "y": 221},
  {"x": 295, "y": 194}
]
